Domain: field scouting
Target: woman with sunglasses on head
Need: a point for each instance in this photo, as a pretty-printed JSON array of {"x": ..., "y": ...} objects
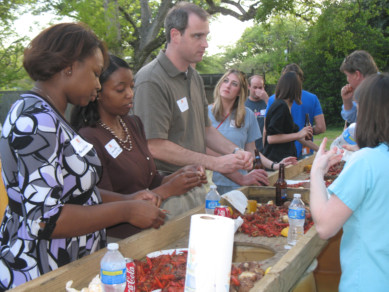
[
  {"x": 120, "y": 142},
  {"x": 237, "y": 123},
  {"x": 56, "y": 213},
  {"x": 357, "y": 200}
]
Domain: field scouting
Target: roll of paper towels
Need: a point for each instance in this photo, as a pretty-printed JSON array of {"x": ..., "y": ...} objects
[{"x": 211, "y": 241}]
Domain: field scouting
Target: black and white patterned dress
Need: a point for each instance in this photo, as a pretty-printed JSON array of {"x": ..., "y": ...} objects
[{"x": 41, "y": 173}]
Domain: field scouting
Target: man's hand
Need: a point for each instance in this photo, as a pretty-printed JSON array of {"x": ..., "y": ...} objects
[
  {"x": 233, "y": 162},
  {"x": 261, "y": 93},
  {"x": 347, "y": 93},
  {"x": 256, "y": 177}
]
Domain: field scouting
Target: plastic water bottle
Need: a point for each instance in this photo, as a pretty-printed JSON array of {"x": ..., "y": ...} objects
[
  {"x": 212, "y": 200},
  {"x": 347, "y": 137},
  {"x": 113, "y": 270},
  {"x": 296, "y": 216}
]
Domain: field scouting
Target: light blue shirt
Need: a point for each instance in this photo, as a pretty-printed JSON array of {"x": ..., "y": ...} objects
[
  {"x": 249, "y": 132},
  {"x": 351, "y": 114},
  {"x": 364, "y": 250}
]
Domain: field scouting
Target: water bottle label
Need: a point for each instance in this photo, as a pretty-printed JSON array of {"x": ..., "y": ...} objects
[
  {"x": 113, "y": 277},
  {"x": 296, "y": 214},
  {"x": 348, "y": 138},
  {"x": 211, "y": 204}
]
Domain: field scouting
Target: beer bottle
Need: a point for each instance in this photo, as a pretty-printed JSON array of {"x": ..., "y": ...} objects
[
  {"x": 281, "y": 185},
  {"x": 306, "y": 150},
  {"x": 257, "y": 162}
]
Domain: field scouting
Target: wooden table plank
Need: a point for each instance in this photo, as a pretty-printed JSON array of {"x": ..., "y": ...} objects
[{"x": 284, "y": 273}]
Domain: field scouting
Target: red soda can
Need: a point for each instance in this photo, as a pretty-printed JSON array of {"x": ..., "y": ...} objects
[
  {"x": 130, "y": 276},
  {"x": 224, "y": 211}
]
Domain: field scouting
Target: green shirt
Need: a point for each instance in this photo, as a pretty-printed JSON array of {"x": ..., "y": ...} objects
[{"x": 172, "y": 105}]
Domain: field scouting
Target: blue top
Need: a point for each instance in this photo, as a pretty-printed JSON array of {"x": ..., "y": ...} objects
[
  {"x": 351, "y": 114},
  {"x": 310, "y": 105},
  {"x": 259, "y": 109},
  {"x": 364, "y": 250},
  {"x": 249, "y": 132}
]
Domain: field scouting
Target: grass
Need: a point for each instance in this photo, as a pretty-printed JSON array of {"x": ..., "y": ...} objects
[{"x": 331, "y": 133}]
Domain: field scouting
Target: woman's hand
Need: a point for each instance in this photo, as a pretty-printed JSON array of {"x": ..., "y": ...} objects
[
  {"x": 291, "y": 160},
  {"x": 146, "y": 195},
  {"x": 195, "y": 168},
  {"x": 186, "y": 179},
  {"x": 256, "y": 177},
  {"x": 325, "y": 159},
  {"x": 351, "y": 148},
  {"x": 144, "y": 215},
  {"x": 306, "y": 133}
]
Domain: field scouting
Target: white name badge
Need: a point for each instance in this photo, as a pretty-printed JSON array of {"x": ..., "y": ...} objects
[
  {"x": 232, "y": 124},
  {"x": 183, "y": 104},
  {"x": 81, "y": 146},
  {"x": 263, "y": 112},
  {"x": 113, "y": 148}
]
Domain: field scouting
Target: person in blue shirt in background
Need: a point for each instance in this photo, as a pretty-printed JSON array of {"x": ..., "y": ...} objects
[
  {"x": 356, "y": 66},
  {"x": 310, "y": 105}
]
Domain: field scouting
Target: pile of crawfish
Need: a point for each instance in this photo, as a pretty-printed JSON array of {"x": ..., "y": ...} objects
[
  {"x": 269, "y": 220},
  {"x": 167, "y": 272},
  {"x": 333, "y": 172}
]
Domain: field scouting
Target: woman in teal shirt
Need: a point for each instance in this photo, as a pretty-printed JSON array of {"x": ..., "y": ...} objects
[{"x": 358, "y": 199}]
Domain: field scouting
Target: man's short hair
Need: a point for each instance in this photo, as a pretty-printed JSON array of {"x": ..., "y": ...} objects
[
  {"x": 360, "y": 61},
  {"x": 256, "y": 76},
  {"x": 178, "y": 16},
  {"x": 294, "y": 68}
]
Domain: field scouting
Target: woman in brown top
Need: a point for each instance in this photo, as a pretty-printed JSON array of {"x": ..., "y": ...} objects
[{"x": 121, "y": 144}]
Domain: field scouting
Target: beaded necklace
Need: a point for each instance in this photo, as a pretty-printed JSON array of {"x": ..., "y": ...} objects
[{"x": 122, "y": 142}]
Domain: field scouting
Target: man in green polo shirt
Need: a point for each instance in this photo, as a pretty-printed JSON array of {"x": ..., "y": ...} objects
[{"x": 170, "y": 99}]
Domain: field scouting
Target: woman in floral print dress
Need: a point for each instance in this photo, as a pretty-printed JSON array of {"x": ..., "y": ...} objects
[{"x": 56, "y": 214}]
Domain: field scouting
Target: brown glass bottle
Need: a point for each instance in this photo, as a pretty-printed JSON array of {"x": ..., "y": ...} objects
[
  {"x": 257, "y": 161},
  {"x": 306, "y": 150},
  {"x": 281, "y": 185},
  {"x": 307, "y": 123}
]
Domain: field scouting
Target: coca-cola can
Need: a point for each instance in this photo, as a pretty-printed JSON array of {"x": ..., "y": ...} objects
[
  {"x": 130, "y": 275},
  {"x": 224, "y": 211}
]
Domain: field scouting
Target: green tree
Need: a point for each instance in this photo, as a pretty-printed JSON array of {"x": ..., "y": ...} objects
[
  {"x": 342, "y": 28},
  {"x": 11, "y": 47},
  {"x": 135, "y": 28},
  {"x": 267, "y": 47}
]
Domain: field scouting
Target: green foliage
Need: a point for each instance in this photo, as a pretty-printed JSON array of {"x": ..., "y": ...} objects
[
  {"x": 342, "y": 28},
  {"x": 11, "y": 47},
  {"x": 267, "y": 48},
  {"x": 210, "y": 65}
]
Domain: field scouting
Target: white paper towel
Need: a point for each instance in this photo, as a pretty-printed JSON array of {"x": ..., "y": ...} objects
[{"x": 211, "y": 241}]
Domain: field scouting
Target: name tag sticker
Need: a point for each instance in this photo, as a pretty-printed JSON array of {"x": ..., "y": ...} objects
[
  {"x": 263, "y": 112},
  {"x": 183, "y": 104},
  {"x": 232, "y": 124},
  {"x": 80, "y": 146},
  {"x": 113, "y": 148}
]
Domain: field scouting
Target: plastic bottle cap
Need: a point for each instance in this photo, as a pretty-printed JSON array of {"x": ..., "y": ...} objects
[
  {"x": 112, "y": 246},
  {"x": 297, "y": 195},
  {"x": 213, "y": 187}
]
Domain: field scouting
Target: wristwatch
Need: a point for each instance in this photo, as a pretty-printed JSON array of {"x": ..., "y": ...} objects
[
  {"x": 272, "y": 165},
  {"x": 236, "y": 150}
]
